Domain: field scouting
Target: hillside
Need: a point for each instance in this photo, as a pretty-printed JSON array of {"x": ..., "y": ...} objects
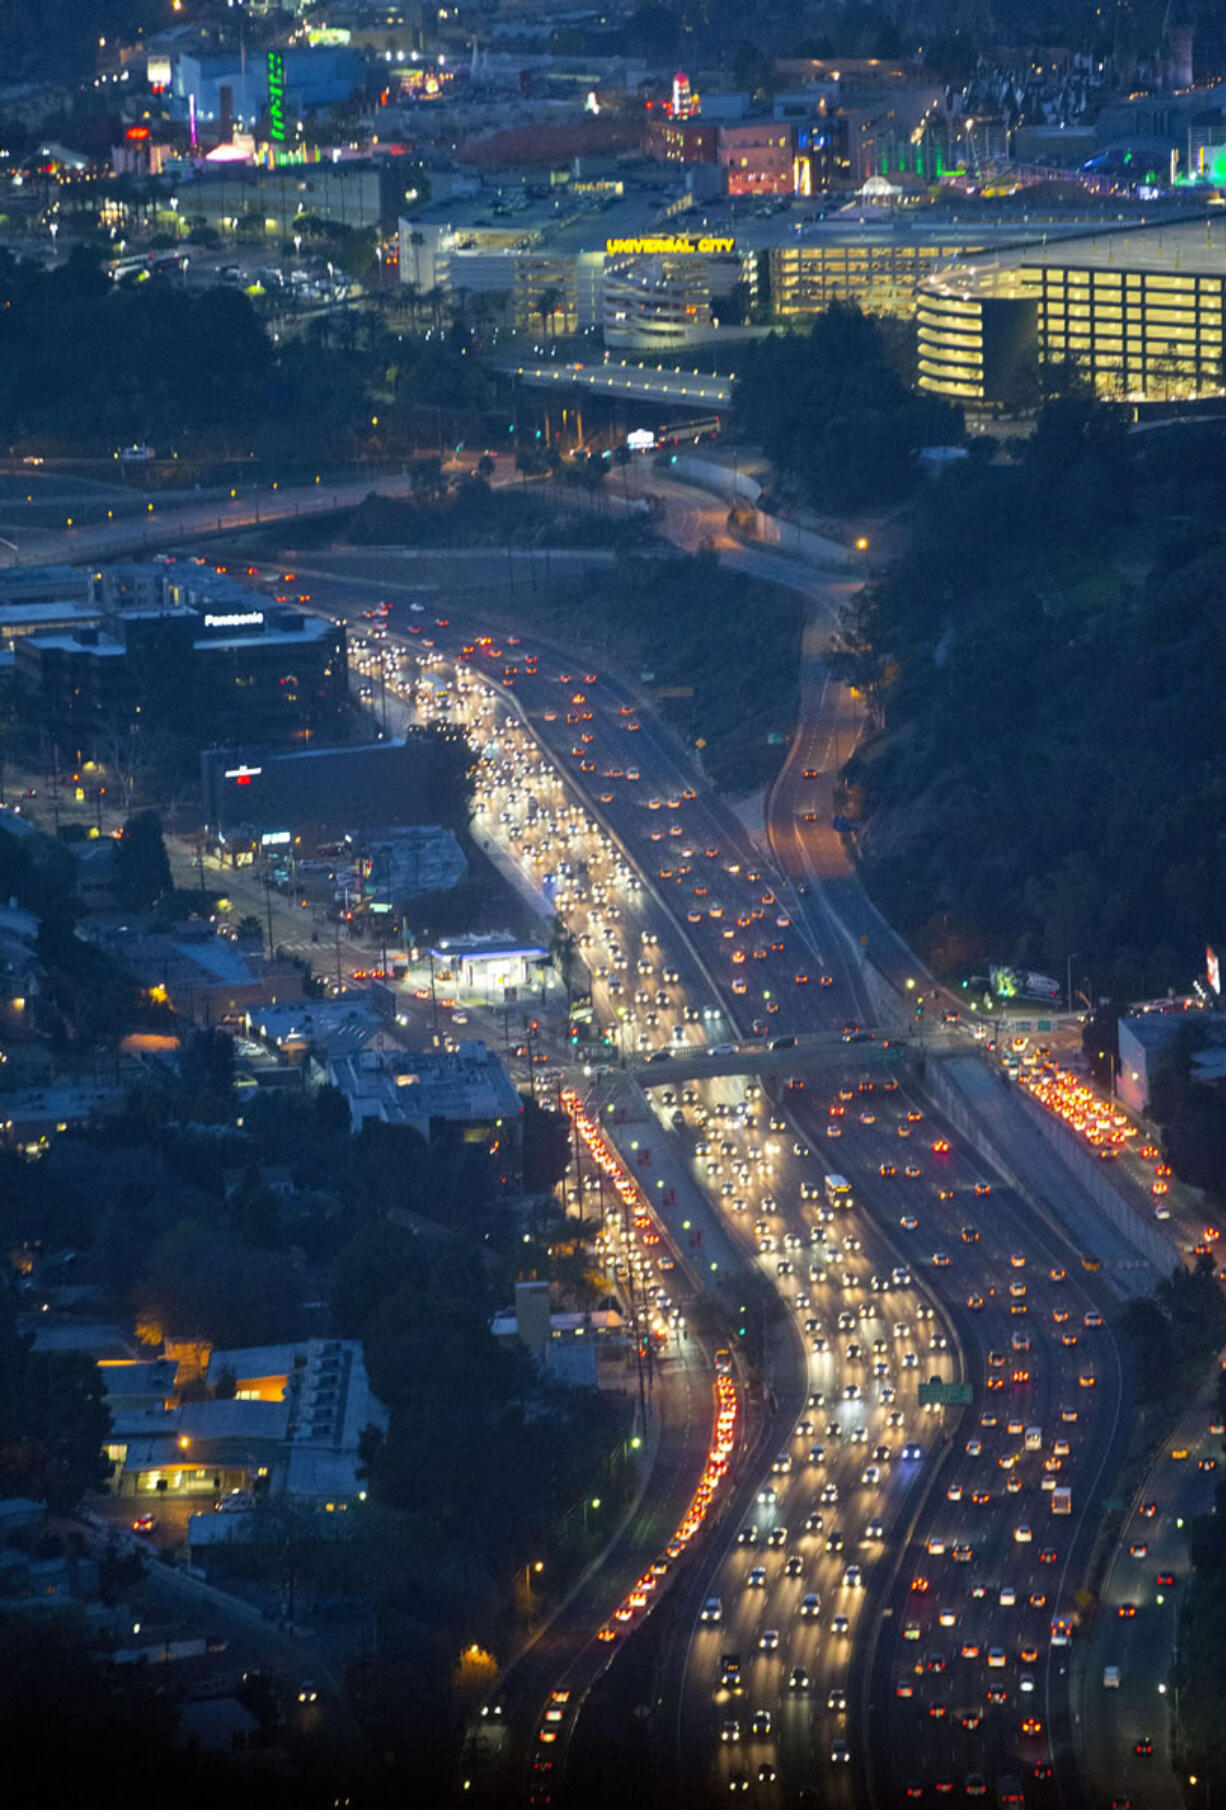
[{"x": 1048, "y": 773}]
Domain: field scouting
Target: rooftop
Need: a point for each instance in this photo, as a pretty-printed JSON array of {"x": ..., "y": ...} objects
[{"x": 1178, "y": 251}]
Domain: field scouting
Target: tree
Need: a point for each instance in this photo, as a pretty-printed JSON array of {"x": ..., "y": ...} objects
[
  {"x": 142, "y": 866},
  {"x": 546, "y": 1147},
  {"x": 201, "y": 1284},
  {"x": 547, "y": 305},
  {"x": 206, "y": 1075},
  {"x": 54, "y": 1421},
  {"x": 564, "y": 954}
]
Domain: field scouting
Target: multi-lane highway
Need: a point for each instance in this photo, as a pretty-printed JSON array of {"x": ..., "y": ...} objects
[{"x": 934, "y": 1553}]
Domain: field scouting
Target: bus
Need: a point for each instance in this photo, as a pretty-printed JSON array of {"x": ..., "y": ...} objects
[
  {"x": 838, "y": 1191},
  {"x": 1062, "y": 1501}
]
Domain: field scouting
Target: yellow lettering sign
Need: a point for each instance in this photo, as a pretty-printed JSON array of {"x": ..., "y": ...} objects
[{"x": 668, "y": 245}]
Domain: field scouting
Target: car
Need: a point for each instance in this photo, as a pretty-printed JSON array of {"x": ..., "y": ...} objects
[
  {"x": 1164, "y": 1579},
  {"x": 837, "y": 1701},
  {"x": 712, "y": 1610},
  {"x": 983, "y": 1188},
  {"x": 768, "y": 1640},
  {"x": 738, "y": 1781},
  {"x": 761, "y": 1722},
  {"x": 1144, "y": 1748},
  {"x": 940, "y": 1260},
  {"x": 839, "y": 1753},
  {"x": 145, "y": 1524},
  {"x": 798, "y": 1679},
  {"x": 308, "y": 1691},
  {"x": 730, "y": 1731},
  {"x": 1126, "y": 1611},
  {"x": 810, "y": 1605},
  {"x": 756, "y": 1579},
  {"x": 766, "y": 1773},
  {"x": 912, "y": 1452},
  {"x": 909, "y": 1222},
  {"x": 839, "y": 1625}
]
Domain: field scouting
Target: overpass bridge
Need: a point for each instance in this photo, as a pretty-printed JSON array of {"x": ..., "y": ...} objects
[
  {"x": 816, "y": 1052},
  {"x": 665, "y": 384}
]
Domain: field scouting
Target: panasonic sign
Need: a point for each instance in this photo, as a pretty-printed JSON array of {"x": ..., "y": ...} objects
[{"x": 239, "y": 619}]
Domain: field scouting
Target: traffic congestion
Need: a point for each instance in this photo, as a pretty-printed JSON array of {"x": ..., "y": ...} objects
[{"x": 909, "y": 1552}]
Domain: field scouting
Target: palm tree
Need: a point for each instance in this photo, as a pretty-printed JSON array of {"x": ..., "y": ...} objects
[
  {"x": 547, "y": 305},
  {"x": 564, "y": 954}
]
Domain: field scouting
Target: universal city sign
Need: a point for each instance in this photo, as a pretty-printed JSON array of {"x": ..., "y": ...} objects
[
  {"x": 239, "y": 619},
  {"x": 668, "y": 245}
]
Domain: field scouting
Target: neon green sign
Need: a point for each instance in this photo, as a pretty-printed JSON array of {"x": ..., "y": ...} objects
[{"x": 276, "y": 97}]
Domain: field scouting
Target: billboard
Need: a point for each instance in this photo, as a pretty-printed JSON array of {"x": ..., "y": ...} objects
[{"x": 1022, "y": 983}]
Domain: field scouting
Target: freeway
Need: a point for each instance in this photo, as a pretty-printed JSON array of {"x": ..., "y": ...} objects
[
  {"x": 1131, "y": 1735},
  {"x": 658, "y": 877},
  {"x": 696, "y": 915},
  {"x": 722, "y": 929}
]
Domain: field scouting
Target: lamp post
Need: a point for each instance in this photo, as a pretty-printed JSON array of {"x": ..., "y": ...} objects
[{"x": 1068, "y": 976}]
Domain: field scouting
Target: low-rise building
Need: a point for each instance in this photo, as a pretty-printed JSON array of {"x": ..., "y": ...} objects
[
  {"x": 1146, "y": 1037},
  {"x": 205, "y": 977},
  {"x": 292, "y": 1426},
  {"x": 465, "y": 1096}
]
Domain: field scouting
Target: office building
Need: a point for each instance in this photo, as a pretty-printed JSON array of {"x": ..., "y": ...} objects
[{"x": 184, "y": 651}]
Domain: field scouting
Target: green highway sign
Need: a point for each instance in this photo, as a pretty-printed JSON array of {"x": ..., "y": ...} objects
[{"x": 946, "y": 1395}]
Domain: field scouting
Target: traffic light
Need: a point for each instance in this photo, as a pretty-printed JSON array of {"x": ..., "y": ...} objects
[{"x": 919, "y": 1007}]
